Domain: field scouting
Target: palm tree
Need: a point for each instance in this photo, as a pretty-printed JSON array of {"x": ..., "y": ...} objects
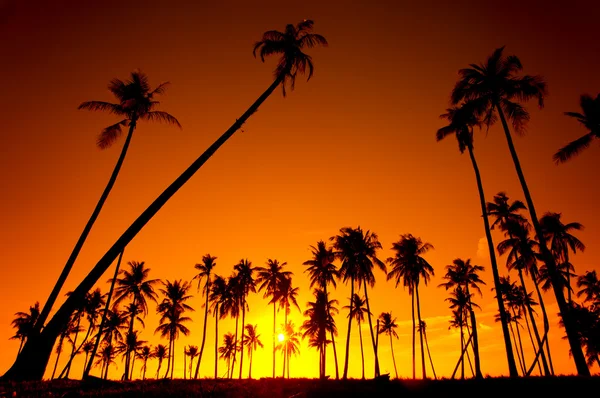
[
  {"x": 494, "y": 87},
  {"x": 205, "y": 269},
  {"x": 463, "y": 273},
  {"x": 317, "y": 325},
  {"x": 87, "y": 348},
  {"x": 269, "y": 279},
  {"x": 423, "y": 329},
  {"x": 135, "y": 102},
  {"x": 135, "y": 285},
  {"x": 106, "y": 358},
  {"x": 285, "y": 295},
  {"x": 460, "y": 301},
  {"x": 145, "y": 353},
  {"x": 24, "y": 323},
  {"x": 231, "y": 306},
  {"x": 252, "y": 342},
  {"x": 68, "y": 329},
  {"x": 228, "y": 349},
  {"x": 462, "y": 120},
  {"x": 589, "y": 287},
  {"x": 290, "y": 43},
  {"x": 357, "y": 311},
  {"x": 409, "y": 266},
  {"x": 357, "y": 250},
  {"x": 590, "y": 118},
  {"x": 133, "y": 345},
  {"x": 290, "y": 344},
  {"x": 172, "y": 320},
  {"x": 387, "y": 325},
  {"x": 323, "y": 272},
  {"x": 160, "y": 353},
  {"x": 192, "y": 352},
  {"x": 561, "y": 240},
  {"x": 218, "y": 293},
  {"x": 588, "y": 330},
  {"x": 246, "y": 285}
]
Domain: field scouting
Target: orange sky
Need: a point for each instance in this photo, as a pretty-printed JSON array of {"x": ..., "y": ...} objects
[{"x": 354, "y": 146}]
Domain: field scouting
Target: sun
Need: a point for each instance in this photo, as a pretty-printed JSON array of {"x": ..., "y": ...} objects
[{"x": 281, "y": 337}]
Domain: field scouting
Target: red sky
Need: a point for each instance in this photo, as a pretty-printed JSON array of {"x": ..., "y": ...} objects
[{"x": 354, "y": 146}]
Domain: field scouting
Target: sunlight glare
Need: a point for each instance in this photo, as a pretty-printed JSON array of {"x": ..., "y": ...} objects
[{"x": 281, "y": 337}]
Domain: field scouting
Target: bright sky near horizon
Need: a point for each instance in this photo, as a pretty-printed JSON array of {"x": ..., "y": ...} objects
[{"x": 353, "y": 146}]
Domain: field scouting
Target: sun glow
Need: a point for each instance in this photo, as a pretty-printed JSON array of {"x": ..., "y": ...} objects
[{"x": 280, "y": 337}]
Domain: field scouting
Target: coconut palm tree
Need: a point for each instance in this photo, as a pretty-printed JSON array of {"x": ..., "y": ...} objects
[
  {"x": 70, "y": 328},
  {"x": 589, "y": 287},
  {"x": 290, "y": 344},
  {"x": 87, "y": 348},
  {"x": 285, "y": 295},
  {"x": 171, "y": 310},
  {"x": 357, "y": 311},
  {"x": 462, "y": 121},
  {"x": 318, "y": 324},
  {"x": 463, "y": 273},
  {"x": 269, "y": 279},
  {"x": 460, "y": 301},
  {"x": 160, "y": 353},
  {"x": 136, "y": 101},
  {"x": 588, "y": 330},
  {"x": 231, "y": 306},
  {"x": 228, "y": 349},
  {"x": 106, "y": 357},
  {"x": 409, "y": 267},
  {"x": 561, "y": 240},
  {"x": 192, "y": 352},
  {"x": 204, "y": 273},
  {"x": 387, "y": 325},
  {"x": 145, "y": 353},
  {"x": 590, "y": 118},
  {"x": 294, "y": 61},
  {"x": 218, "y": 295},
  {"x": 423, "y": 329},
  {"x": 496, "y": 88},
  {"x": 323, "y": 272},
  {"x": 24, "y": 323},
  {"x": 133, "y": 345},
  {"x": 252, "y": 342},
  {"x": 246, "y": 285}
]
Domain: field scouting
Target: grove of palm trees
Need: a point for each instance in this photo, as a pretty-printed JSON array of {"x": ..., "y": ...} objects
[{"x": 319, "y": 225}]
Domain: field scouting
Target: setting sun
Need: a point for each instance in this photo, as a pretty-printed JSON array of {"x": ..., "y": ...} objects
[{"x": 280, "y": 337}]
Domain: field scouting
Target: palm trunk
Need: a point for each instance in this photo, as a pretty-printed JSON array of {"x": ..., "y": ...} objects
[
  {"x": 158, "y": 370},
  {"x": 106, "y": 369},
  {"x": 145, "y": 367},
  {"x": 58, "y": 351},
  {"x": 429, "y": 355},
  {"x": 345, "y": 375},
  {"x": 173, "y": 359},
  {"x": 21, "y": 345},
  {"x": 169, "y": 356},
  {"x": 88, "y": 367},
  {"x": 132, "y": 366},
  {"x": 362, "y": 354},
  {"x": 184, "y": 364},
  {"x": 478, "y": 373},
  {"x": 73, "y": 351},
  {"x": 284, "y": 352},
  {"x": 129, "y": 332},
  {"x": 87, "y": 355},
  {"x": 567, "y": 317},
  {"x": 242, "y": 342},
  {"x": 274, "y": 336},
  {"x": 463, "y": 351},
  {"x": 203, "y": 332},
  {"x": 371, "y": 329},
  {"x": 534, "y": 350},
  {"x": 86, "y": 230},
  {"x": 414, "y": 342},
  {"x": 512, "y": 367},
  {"x": 32, "y": 362},
  {"x": 250, "y": 364},
  {"x": 216, "y": 339},
  {"x": 393, "y": 358},
  {"x": 568, "y": 277},
  {"x": 546, "y": 322},
  {"x": 237, "y": 317},
  {"x": 67, "y": 367},
  {"x": 421, "y": 333},
  {"x": 469, "y": 356},
  {"x": 462, "y": 354},
  {"x": 521, "y": 353},
  {"x": 337, "y": 372}
]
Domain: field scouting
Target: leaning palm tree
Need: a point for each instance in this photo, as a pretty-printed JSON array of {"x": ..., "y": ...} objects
[
  {"x": 496, "y": 88},
  {"x": 387, "y": 325},
  {"x": 135, "y": 102},
  {"x": 160, "y": 353},
  {"x": 423, "y": 329},
  {"x": 252, "y": 342},
  {"x": 24, "y": 323},
  {"x": 590, "y": 118},
  {"x": 460, "y": 301},
  {"x": 228, "y": 349},
  {"x": 462, "y": 120},
  {"x": 294, "y": 61},
  {"x": 323, "y": 272},
  {"x": 106, "y": 358},
  {"x": 357, "y": 311},
  {"x": 409, "y": 267},
  {"x": 269, "y": 279},
  {"x": 204, "y": 272}
]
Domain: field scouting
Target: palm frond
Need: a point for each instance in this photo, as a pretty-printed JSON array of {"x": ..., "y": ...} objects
[
  {"x": 312, "y": 40},
  {"x": 517, "y": 114},
  {"x": 160, "y": 116},
  {"x": 109, "y": 135},
  {"x": 573, "y": 148},
  {"x": 160, "y": 89},
  {"x": 115, "y": 109}
]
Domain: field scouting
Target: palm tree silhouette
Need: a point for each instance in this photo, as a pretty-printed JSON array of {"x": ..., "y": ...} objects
[
  {"x": 192, "y": 352},
  {"x": 463, "y": 273},
  {"x": 251, "y": 342},
  {"x": 228, "y": 349},
  {"x": 160, "y": 353},
  {"x": 218, "y": 294},
  {"x": 246, "y": 285},
  {"x": 493, "y": 87},
  {"x": 135, "y": 102},
  {"x": 24, "y": 323},
  {"x": 132, "y": 344},
  {"x": 589, "y": 287},
  {"x": 588, "y": 330},
  {"x": 462, "y": 120},
  {"x": 145, "y": 353},
  {"x": 230, "y": 306},
  {"x": 590, "y": 118},
  {"x": 323, "y": 272},
  {"x": 290, "y": 344},
  {"x": 204, "y": 272},
  {"x": 172, "y": 320},
  {"x": 285, "y": 295},
  {"x": 357, "y": 310},
  {"x": 289, "y": 44},
  {"x": 409, "y": 266},
  {"x": 460, "y": 304},
  {"x": 387, "y": 325},
  {"x": 269, "y": 279},
  {"x": 106, "y": 357},
  {"x": 87, "y": 348},
  {"x": 423, "y": 329},
  {"x": 68, "y": 329}
]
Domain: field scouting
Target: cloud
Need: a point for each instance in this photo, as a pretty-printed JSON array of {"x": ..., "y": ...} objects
[{"x": 482, "y": 249}]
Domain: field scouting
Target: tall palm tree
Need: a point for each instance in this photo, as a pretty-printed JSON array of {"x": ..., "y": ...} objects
[
  {"x": 290, "y": 344},
  {"x": 589, "y": 287},
  {"x": 357, "y": 250},
  {"x": 290, "y": 45},
  {"x": 172, "y": 320},
  {"x": 204, "y": 272},
  {"x": 561, "y": 240},
  {"x": 590, "y": 118},
  {"x": 218, "y": 295},
  {"x": 247, "y": 285},
  {"x": 24, "y": 323},
  {"x": 323, "y": 272},
  {"x": 136, "y": 101},
  {"x": 462, "y": 120},
  {"x": 495, "y": 87},
  {"x": 357, "y": 310},
  {"x": 409, "y": 266},
  {"x": 228, "y": 349},
  {"x": 145, "y": 353},
  {"x": 460, "y": 301},
  {"x": 106, "y": 358},
  {"x": 463, "y": 273},
  {"x": 423, "y": 329},
  {"x": 269, "y": 279},
  {"x": 160, "y": 353},
  {"x": 231, "y": 306},
  {"x": 387, "y": 325},
  {"x": 70, "y": 328},
  {"x": 252, "y": 342},
  {"x": 192, "y": 352},
  {"x": 285, "y": 295},
  {"x": 133, "y": 345},
  {"x": 87, "y": 348},
  {"x": 318, "y": 324}
]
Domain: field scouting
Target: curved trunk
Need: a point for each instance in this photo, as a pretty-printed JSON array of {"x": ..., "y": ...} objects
[
  {"x": 21, "y": 345},
  {"x": 414, "y": 342},
  {"x": 73, "y": 351},
  {"x": 67, "y": 367},
  {"x": 557, "y": 286},
  {"x": 88, "y": 366},
  {"x": 337, "y": 372},
  {"x": 216, "y": 339},
  {"x": 429, "y": 355},
  {"x": 345, "y": 375},
  {"x": 169, "y": 357},
  {"x": 158, "y": 370},
  {"x": 512, "y": 367},
  {"x": 362, "y": 354},
  {"x": 420, "y": 333},
  {"x": 58, "y": 351},
  {"x": 478, "y": 374},
  {"x": 242, "y": 342},
  {"x": 32, "y": 362},
  {"x": 518, "y": 343},
  {"x": 393, "y": 358},
  {"x": 203, "y": 332},
  {"x": 86, "y": 230},
  {"x": 371, "y": 329},
  {"x": 284, "y": 350},
  {"x": 546, "y": 322},
  {"x": 461, "y": 356},
  {"x": 534, "y": 350}
]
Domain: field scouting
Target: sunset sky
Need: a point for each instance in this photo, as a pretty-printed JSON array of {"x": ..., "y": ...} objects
[{"x": 353, "y": 146}]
